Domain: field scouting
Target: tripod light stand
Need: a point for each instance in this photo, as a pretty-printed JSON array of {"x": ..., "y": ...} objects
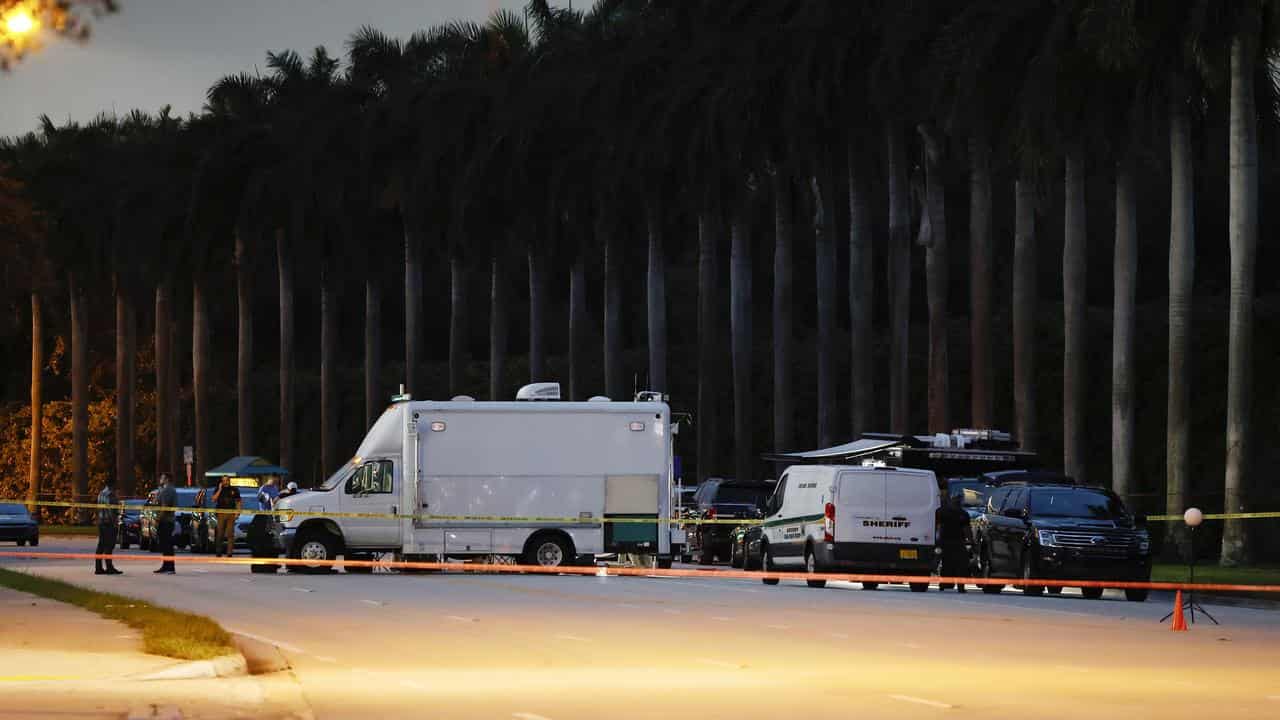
[{"x": 1192, "y": 517}]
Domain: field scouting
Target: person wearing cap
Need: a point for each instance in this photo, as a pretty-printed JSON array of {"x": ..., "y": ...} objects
[
  {"x": 107, "y": 521},
  {"x": 289, "y": 490}
]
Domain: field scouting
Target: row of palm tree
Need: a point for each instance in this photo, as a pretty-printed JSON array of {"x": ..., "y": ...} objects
[{"x": 560, "y": 132}]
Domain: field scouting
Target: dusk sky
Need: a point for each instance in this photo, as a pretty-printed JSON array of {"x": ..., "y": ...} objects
[{"x": 158, "y": 52}]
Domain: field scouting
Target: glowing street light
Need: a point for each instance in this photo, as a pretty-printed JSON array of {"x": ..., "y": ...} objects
[{"x": 19, "y": 22}]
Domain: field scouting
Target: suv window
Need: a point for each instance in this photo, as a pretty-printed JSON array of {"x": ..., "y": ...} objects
[
  {"x": 1076, "y": 503},
  {"x": 996, "y": 504},
  {"x": 774, "y": 503},
  {"x": 739, "y": 495},
  {"x": 1017, "y": 499}
]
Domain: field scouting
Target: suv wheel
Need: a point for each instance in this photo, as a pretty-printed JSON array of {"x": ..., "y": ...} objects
[
  {"x": 811, "y": 567},
  {"x": 1091, "y": 593},
  {"x": 766, "y": 564},
  {"x": 1028, "y": 572},
  {"x": 1136, "y": 595},
  {"x": 992, "y": 588}
]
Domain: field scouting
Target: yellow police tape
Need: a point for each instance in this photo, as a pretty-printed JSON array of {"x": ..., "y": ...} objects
[
  {"x": 1221, "y": 516},
  {"x": 289, "y": 514}
]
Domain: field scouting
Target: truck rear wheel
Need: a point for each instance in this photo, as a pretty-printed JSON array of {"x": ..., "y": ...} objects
[
  {"x": 548, "y": 551},
  {"x": 811, "y": 567}
]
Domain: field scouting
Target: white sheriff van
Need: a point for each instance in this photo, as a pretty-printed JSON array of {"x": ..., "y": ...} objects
[
  {"x": 831, "y": 518},
  {"x": 536, "y": 480}
]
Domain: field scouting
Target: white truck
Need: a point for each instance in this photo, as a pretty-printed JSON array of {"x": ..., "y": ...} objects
[{"x": 545, "y": 481}]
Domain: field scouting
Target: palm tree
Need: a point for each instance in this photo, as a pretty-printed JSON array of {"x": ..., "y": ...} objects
[
  {"x": 37, "y": 397},
  {"x": 1024, "y": 309},
  {"x": 783, "y": 299},
  {"x": 1122, "y": 344},
  {"x": 937, "y": 281}
]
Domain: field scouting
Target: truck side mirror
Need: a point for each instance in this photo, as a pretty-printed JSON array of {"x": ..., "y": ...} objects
[{"x": 1018, "y": 513}]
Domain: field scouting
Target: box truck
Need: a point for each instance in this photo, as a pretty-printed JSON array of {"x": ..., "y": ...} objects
[{"x": 546, "y": 481}]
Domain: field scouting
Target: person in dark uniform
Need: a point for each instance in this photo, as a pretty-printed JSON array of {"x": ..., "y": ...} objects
[
  {"x": 107, "y": 520},
  {"x": 167, "y": 497},
  {"x": 954, "y": 538}
]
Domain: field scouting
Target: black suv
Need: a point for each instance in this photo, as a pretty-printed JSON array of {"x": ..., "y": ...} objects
[
  {"x": 1061, "y": 531},
  {"x": 719, "y": 499}
]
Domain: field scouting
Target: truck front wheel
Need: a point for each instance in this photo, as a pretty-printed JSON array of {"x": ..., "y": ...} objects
[{"x": 318, "y": 547}]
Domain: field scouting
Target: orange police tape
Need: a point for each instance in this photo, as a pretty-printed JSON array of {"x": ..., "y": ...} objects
[{"x": 602, "y": 571}]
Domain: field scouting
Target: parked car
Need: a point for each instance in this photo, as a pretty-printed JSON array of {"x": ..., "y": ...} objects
[
  {"x": 182, "y": 520},
  {"x": 745, "y": 551},
  {"x": 208, "y": 523},
  {"x": 146, "y": 523},
  {"x": 17, "y": 525},
  {"x": 1062, "y": 531},
  {"x": 972, "y": 493},
  {"x": 718, "y": 499},
  {"x": 129, "y": 527}
]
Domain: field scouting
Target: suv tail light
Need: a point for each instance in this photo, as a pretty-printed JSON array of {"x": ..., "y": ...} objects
[
  {"x": 711, "y": 513},
  {"x": 829, "y": 523}
]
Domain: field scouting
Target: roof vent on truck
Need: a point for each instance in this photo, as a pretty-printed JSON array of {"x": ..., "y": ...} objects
[{"x": 539, "y": 391}]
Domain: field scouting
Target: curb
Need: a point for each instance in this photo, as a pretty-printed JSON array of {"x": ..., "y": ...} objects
[
  {"x": 219, "y": 667},
  {"x": 260, "y": 657}
]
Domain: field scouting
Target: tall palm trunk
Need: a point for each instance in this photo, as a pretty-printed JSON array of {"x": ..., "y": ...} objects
[
  {"x": 79, "y": 394},
  {"x": 1024, "y": 311},
  {"x": 200, "y": 375},
  {"x": 284, "y": 268},
  {"x": 537, "y": 313},
  {"x": 607, "y": 234},
  {"x": 1182, "y": 259},
  {"x": 244, "y": 344},
  {"x": 497, "y": 326},
  {"x": 1122, "y": 348},
  {"x": 372, "y": 348},
  {"x": 125, "y": 358},
  {"x": 861, "y": 288},
  {"x": 459, "y": 352},
  {"x": 899, "y": 280},
  {"x": 708, "y": 347},
  {"x": 164, "y": 348},
  {"x": 174, "y": 416},
  {"x": 740, "y": 342},
  {"x": 577, "y": 322},
  {"x": 1074, "y": 292},
  {"x": 413, "y": 238},
  {"x": 783, "y": 293},
  {"x": 824, "y": 237},
  {"x": 656, "y": 299},
  {"x": 980, "y": 281},
  {"x": 329, "y": 407},
  {"x": 1243, "y": 237},
  {"x": 37, "y": 400},
  {"x": 937, "y": 282}
]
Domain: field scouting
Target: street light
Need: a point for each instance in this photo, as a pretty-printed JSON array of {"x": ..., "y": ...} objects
[
  {"x": 1192, "y": 517},
  {"x": 19, "y": 22}
]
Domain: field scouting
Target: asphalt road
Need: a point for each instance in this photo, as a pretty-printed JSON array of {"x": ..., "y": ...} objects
[{"x": 568, "y": 647}]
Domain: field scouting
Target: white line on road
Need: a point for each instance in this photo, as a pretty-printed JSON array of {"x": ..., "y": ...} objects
[
  {"x": 376, "y": 603},
  {"x": 298, "y": 589},
  {"x": 412, "y": 685},
  {"x": 459, "y": 618},
  {"x": 198, "y": 570},
  {"x": 913, "y": 646},
  {"x": 528, "y": 716},
  {"x": 671, "y": 611},
  {"x": 629, "y": 605},
  {"x": 721, "y": 618},
  {"x": 575, "y": 638},
  {"x": 326, "y": 658},
  {"x": 840, "y": 636},
  {"x": 778, "y": 627},
  {"x": 283, "y": 646},
  {"x": 922, "y": 701}
]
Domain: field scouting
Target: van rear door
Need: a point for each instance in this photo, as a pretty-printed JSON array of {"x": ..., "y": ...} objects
[
  {"x": 911, "y": 503},
  {"x": 860, "y": 504}
]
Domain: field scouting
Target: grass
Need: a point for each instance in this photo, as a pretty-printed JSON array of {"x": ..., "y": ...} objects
[
  {"x": 165, "y": 632},
  {"x": 1214, "y": 574},
  {"x": 69, "y": 530}
]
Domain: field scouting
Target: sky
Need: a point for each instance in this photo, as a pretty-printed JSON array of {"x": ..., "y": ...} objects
[{"x": 168, "y": 52}]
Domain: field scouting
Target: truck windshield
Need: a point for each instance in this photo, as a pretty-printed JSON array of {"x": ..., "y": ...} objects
[
  {"x": 1075, "y": 503},
  {"x": 337, "y": 477}
]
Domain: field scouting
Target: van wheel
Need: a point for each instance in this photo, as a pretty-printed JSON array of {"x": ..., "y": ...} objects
[
  {"x": 811, "y": 567},
  {"x": 766, "y": 564},
  {"x": 319, "y": 547},
  {"x": 548, "y": 551},
  {"x": 991, "y": 588},
  {"x": 1054, "y": 590},
  {"x": 870, "y": 585},
  {"x": 918, "y": 587},
  {"x": 1028, "y": 572},
  {"x": 1091, "y": 593},
  {"x": 1138, "y": 595},
  {"x": 22, "y": 543}
]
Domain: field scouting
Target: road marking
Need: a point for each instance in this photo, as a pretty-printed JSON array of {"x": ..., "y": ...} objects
[
  {"x": 412, "y": 685},
  {"x": 376, "y": 603},
  {"x": 922, "y": 701},
  {"x": 298, "y": 589},
  {"x": 575, "y": 638},
  {"x": 671, "y": 611},
  {"x": 721, "y": 618},
  {"x": 629, "y": 605},
  {"x": 913, "y": 646},
  {"x": 459, "y": 618},
  {"x": 269, "y": 641},
  {"x": 840, "y": 636},
  {"x": 528, "y": 716},
  {"x": 246, "y": 580},
  {"x": 326, "y": 658},
  {"x": 198, "y": 570},
  {"x": 720, "y": 664},
  {"x": 778, "y": 627}
]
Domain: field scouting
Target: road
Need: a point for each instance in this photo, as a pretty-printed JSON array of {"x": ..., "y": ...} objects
[{"x": 570, "y": 647}]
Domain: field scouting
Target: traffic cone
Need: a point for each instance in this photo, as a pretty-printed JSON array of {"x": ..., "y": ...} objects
[{"x": 1179, "y": 622}]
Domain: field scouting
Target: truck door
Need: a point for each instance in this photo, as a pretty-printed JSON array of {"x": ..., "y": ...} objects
[
  {"x": 912, "y": 499},
  {"x": 860, "y": 505},
  {"x": 371, "y": 490}
]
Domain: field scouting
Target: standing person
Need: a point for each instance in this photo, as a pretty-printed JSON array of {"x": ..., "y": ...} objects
[
  {"x": 225, "y": 500},
  {"x": 107, "y": 521},
  {"x": 954, "y": 538},
  {"x": 289, "y": 490},
  {"x": 166, "y": 498},
  {"x": 268, "y": 494}
]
